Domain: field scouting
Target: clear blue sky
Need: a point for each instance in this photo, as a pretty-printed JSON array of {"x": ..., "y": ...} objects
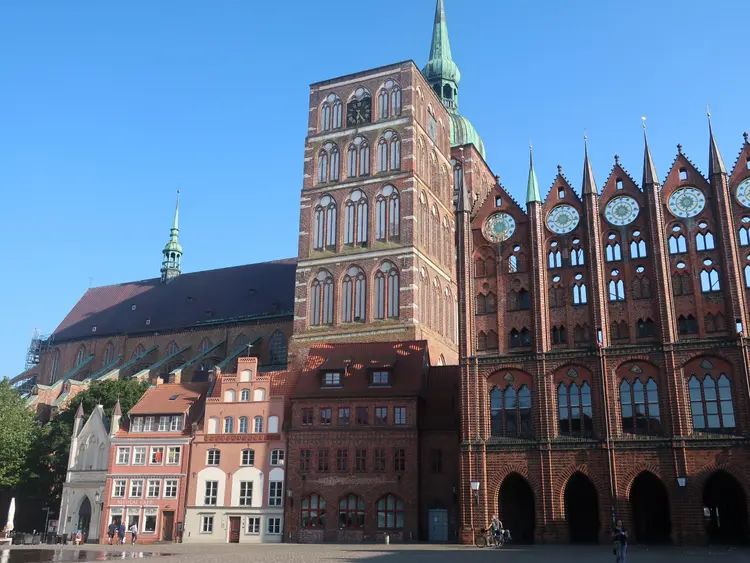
[{"x": 106, "y": 107}]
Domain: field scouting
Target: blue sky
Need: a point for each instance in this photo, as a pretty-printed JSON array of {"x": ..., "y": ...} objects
[{"x": 106, "y": 107}]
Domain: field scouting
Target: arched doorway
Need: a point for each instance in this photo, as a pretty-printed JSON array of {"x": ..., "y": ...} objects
[
  {"x": 516, "y": 508},
  {"x": 582, "y": 509},
  {"x": 649, "y": 504},
  {"x": 726, "y": 518},
  {"x": 84, "y": 517}
]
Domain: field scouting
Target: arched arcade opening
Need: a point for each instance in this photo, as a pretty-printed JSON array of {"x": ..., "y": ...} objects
[
  {"x": 516, "y": 508},
  {"x": 725, "y": 509},
  {"x": 649, "y": 505},
  {"x": 581, "y": 509}
]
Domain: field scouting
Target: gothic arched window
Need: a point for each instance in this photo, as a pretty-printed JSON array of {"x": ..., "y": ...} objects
[
  {"x": 616, "y": 287},
  {"x": 109, "y": 354},
  {"x": 510, "y": 412},
  {"x": 387, "y": 214},
  {"x": 687, "y": 325},
  {"x": 709, "y": 278},
  {"x": 324, "y": 224},
  {"x": 277, "y": 348},
  {"x": 321, "y": 301},
  {"x": 574, "y": 409},
  {"x": 711, "y": 403},
  {"x": 387, "y": 292},
  {"x": 353, "y": 295},
  {"x": 329, "y": 163},
  {"x": 55, "y": 365},
  {"x": 704, "y": 241},
  {"x": 358, "y": 159},
  {"x": 677, "y": 241},
  {"x": 580, "y": 296},
  {"x": 355, "y": 219},
  {"x": 330, "y": 113},
  {"x": 389, "y": 152},
  {"x": 639, "y": 407},
  {"x": 82, "y": 355},
  {"x": 554, "y": 258}
]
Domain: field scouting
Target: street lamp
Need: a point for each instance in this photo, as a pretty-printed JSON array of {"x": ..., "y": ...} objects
[{"x": 475, "y": 491}]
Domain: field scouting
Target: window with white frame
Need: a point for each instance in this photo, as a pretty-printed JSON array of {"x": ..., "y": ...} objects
[
  {"x": 274, "y": 493},
  {"x": 152, "y": 490},
  {"x": 321, "y": 301},
  {"x": 207, "y": 523},
  {"x": 258, "y": 424},
  {"x": 246, "y": 493},
  {"x": 148, "y": 424},
  {"x": 136, "y": 488},
  {"x": 123, "y": 456},
  {"x": 139, "y": 455},
  {"x": 245, "y": 395},
  {"x": 253, "y": 525},
  {"x": 118, "y": 488},
  {"x": 211, "y": 494},
  {"x": 277, "y": 457},
  {"x": 248, "y": 457},
  {"x": 213, "y": 457},
  {"x": 175, "y": 423},
  {"x": 274, "y": 526},
  {"x": 157, "y": 455},
  {"x": 137, "y": 425},
  {"x": 173, "y": 455},
  {"x": 149, "y": 520},
  {"x": 324, "y": 224},
  {"x": 228, "y": 425},
  {"x": 170, "y": 488},
  {"x": 163, "y": 423},
  {"x": 243, "y": 425},
  {"x": 399, "y": 415}
]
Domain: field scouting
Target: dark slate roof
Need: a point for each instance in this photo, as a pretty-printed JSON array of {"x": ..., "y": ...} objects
[{"x": 197, "y": 298}]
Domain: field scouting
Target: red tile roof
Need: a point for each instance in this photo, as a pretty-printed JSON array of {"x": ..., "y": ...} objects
[
  {"x": 158, "y": 400},
  {"x": 266, "y": 288},
  {"x": 407, "y": 361}
]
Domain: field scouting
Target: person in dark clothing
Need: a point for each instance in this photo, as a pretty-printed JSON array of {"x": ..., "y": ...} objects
[
  {"x": 121, "y": 533},
  {"x": 620, "y": 539},
  {"x": 111, "y": 531}
]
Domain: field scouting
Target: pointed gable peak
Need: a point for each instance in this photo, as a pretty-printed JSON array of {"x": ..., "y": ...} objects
[
  {"x": 650, "y": 177},
  {"x": 561, "y": 186},
  {"x": 79, "y": 412},
  {"x": 715, "y": 162},
  {"x": 742, "y": 163},
  {"x": 619, "y": 179},
  {"x": 118, "y": 409},
  {"x": 589, "y": 184},
  {"x": 532, "y": 186}
]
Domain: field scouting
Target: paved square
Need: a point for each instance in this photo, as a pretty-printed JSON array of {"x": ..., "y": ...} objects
[{"x": 413, "y": 553}]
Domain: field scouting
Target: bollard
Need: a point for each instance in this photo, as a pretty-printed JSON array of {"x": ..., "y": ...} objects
[{"x": 387, "y": 539}]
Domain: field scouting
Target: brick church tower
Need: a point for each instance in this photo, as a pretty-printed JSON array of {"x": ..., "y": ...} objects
[{"x": 377, "y": 223}]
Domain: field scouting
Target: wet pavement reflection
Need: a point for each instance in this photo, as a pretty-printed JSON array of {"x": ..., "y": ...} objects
[{"x": 69, "y": 555}]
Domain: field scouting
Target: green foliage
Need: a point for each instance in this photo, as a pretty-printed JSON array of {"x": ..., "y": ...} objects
[
  {"x": 18, "y": 431},
  {"x": 48, "y": 462}
]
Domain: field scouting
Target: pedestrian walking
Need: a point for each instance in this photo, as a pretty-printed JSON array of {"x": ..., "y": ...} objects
[
  {"x": 620, "y": 539},
  {"x": 111, "y": 531},
  {"x": 121, "y": 534},
  {"x": 134, "y": 533}
]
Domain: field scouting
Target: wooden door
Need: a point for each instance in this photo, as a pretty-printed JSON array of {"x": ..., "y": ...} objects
[
  {"x": 167, "y": 525},
  {"x": 234, "y": 529}
]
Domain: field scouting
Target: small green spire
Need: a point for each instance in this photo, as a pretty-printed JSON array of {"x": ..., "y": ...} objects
[
  {"x": 170, "y": 266},
  {"x": 532, "y": 188},
  {"x": 441, "y": 71}
]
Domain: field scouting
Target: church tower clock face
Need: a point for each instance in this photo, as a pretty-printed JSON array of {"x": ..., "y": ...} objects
[
  {"x": 743, "y": 192},
  {"x": 687, "y": 202},
  {"x": 621, "y": 211},
  {"x": 499, "y": 227},
  {"x": 359, "y": 110},
  {"x": 563, "y": 219}
]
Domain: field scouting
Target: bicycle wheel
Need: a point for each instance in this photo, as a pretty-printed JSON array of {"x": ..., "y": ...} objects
[{"x": 480, "y": 540}]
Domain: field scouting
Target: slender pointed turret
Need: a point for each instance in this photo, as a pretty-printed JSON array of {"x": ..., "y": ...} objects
[
  {"x": 650, "y": 177},
  {"x": 589, "y": 184},
  {"x": 443, "y": 76},
  {"x": 172, "y": 253},
  {"x": 715, "y": 162},
  {"x": 532, "y": 187}
]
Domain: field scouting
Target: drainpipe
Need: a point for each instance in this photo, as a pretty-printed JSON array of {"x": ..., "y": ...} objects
[{"x": 608, "y": 433}]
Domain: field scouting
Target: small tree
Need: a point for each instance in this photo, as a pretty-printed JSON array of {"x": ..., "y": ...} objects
[{"x": 18, "y": 432}]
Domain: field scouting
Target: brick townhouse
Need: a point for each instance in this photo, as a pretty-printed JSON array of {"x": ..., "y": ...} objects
[
  {"x": 149, "y": 463},
  {"x": 237, "y": 469}
]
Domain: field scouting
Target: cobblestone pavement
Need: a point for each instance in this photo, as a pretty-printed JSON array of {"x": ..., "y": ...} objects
[{"x": 413, "y": 553}]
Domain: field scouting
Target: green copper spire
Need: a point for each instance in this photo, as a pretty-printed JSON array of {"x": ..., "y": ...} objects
[
  {"x": 532, "y": 188},
  {"x": 440, "y": 71},
  {"x": 170, "y": 266}
]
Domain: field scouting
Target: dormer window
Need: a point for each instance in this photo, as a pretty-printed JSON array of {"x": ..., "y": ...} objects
[
  {"x": 331, "y": 379},
  {"x": 381, "y": 377}
]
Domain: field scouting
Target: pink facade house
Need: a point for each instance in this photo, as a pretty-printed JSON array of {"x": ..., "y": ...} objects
[
  {"x": 236, "y": 491},
  {"x": 147, "y": 479}
]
